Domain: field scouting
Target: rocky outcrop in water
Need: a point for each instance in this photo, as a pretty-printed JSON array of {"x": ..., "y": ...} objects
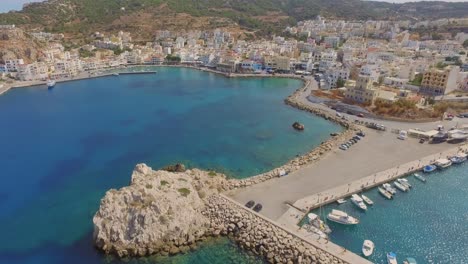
[{"x": 160, "y": 212}]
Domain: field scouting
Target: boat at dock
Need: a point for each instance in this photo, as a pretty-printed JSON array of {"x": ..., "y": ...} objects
[
  {"x": 315, "y": 230},
  {"x": 443, "y": 163},
  {"x": 51, "y": 84},
  {"x": 367, "y": 200},
  {"x": 391, "y": 258},
  {"x": 400, "y": 186},
  {"x": 357, "y": 200},
  {"x": 429, "y": 168},
  {"x": 389, "y": 188},
  {"x": 367, "y": 248},
  {"x": 341, "y": 201},
  {"x": 405, "y": 183},
  {"x": 315, "y": 221},
  {"x": 115, "y": 74},
  {"x": 385, "y": 194},
  {"x": 341, "y": 217},
  {"x": 459, "y": 158},
  {"x": 420, "y": 177}
]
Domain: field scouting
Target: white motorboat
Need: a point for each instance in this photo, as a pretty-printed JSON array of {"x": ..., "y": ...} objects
[
  {"x": 389, "y": 188},
  {"x": 405, "y": 183},
  {"x": 367, "y": 200},
  {"x": 51, "y": 84},
  {"x": 420, "y": 177},
  {"x": 315, "y": 221},
  {"x": 400, "y": 186},
  {"x": 115, "y": 74},
  {"x": 459, "y": 158},
  {"x": 385, "y": 193},
  {"x": 391, "y": 258},
  {"x": 367, "y": 248},
  {"x": 341, "y": 201},
  {"x": 357, "y": 200},
  {"x": 342, "y": 218},
  {"x": 443, "y": 163}
]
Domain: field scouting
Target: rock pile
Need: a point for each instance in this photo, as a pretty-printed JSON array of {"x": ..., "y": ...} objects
[{"x": 260, "y": 236}]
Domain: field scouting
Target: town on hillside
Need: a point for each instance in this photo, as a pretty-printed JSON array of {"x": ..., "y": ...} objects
[{"x": 399, "y": 69}]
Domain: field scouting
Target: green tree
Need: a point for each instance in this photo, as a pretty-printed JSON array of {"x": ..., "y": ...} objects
[
  {"x": 465, "y": 44},
  {"x": 340, "y": 83}
]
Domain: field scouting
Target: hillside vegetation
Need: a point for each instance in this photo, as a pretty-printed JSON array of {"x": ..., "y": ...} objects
[{"x": 262, "y": 16}]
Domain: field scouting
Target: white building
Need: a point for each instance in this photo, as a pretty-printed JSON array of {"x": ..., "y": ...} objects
[{"x": 12, "y": 65}]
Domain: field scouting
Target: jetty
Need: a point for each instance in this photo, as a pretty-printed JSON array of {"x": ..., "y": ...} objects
[{"x": 343, "y": 191}]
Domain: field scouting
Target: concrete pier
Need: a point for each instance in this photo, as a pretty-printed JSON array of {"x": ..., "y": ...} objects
[{"x": 371, "y": 181}]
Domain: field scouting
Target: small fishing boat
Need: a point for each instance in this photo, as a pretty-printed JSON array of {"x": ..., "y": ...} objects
[
  {"x": 367, "y": 248},
  {"x": 315, "y": 230},
  {"x": 367, "y": 200},
  {"x": 341, "y": 201},
  {"x": 429, "y": 168},
  {"x": 357, "y": 200},
  {"x": 405, "y": 183},
  {"x": 389, "y": 188},
  {"x": 391, "y": 258},
  {"x": 443, "y": 163},
  {"x": 459, "y": 158},
  {"x": 341, "y": 217},
  {"x": 420, "y": 177},
  {"x": 400, "y": 186},
  {"x": 409, "y": 261},
  {"x": 115, "y": 74},
  {"x": 385, "y": 194}
]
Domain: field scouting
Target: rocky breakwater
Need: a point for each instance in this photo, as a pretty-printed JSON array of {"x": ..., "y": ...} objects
[
  {"x": 261, "y": 236},
  {"x": 160, "y": 212}
]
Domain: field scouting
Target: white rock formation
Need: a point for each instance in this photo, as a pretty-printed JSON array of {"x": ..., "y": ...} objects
[{"x": 159, "y": 212}]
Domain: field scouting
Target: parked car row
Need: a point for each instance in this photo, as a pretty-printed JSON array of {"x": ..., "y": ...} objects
[
  {"x": 257, "y": 208},
  {"x": 352, "y": 141}
]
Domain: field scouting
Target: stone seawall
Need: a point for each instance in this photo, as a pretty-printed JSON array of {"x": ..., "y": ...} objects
[{"x": 254, "y": 233}]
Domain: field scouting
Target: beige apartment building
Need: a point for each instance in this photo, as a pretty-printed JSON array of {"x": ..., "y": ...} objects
[
  {"x": 439, "y": 82},
  {"x": 363, "y": 92}
]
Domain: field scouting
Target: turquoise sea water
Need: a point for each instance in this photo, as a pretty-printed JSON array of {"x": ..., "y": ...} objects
[
  {"x": 428, "y": 223},
  {"x": 60, "y": 150}
]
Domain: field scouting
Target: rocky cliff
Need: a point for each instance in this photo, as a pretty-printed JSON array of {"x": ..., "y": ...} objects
[{"x": 160, "y": 212}]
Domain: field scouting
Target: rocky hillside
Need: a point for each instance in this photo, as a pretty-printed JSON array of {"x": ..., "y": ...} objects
[
  {"x": 160, "y": 212},
  {"x": 143, "y": 17},
  {"x": 15, "y": 43}
]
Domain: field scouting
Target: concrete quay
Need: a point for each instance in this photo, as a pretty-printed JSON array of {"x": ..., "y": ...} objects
[{"x": 369, "y": 182}]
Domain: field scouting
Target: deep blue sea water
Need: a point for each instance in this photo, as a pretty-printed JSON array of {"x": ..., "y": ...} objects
[
  {"x": 428, "y": 223},
  {"x": 60, "y": 150}
]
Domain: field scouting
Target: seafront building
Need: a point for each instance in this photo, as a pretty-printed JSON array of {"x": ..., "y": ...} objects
[{"x": 439, "y": 82}]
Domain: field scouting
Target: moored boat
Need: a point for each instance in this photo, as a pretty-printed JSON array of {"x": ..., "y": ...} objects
[
  {"x": 315, "y": 221},
  {"x": 385, "y": 193},
  {"x": 315, "y": 230},
  {"x": 405, "y": 183},
  {"x": 429, "y": 168},
  {"x": 391, "y": 258},
  {"x": 341, "y": 217},
  {"x": 367, "y": 200},
  {"x": 420, "y": 177},
  {"x": 389, "y": 188},
  {"x": 400, "y": 186},
  {"x": 357, "y": 200},
  {"x": 443, "y": 163},
  {"x": 459, "y": 158},
  {"x": 341, "y": 201},
  {"x": 51, "y": 84},
  {"x": 367, "y": 248}
]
